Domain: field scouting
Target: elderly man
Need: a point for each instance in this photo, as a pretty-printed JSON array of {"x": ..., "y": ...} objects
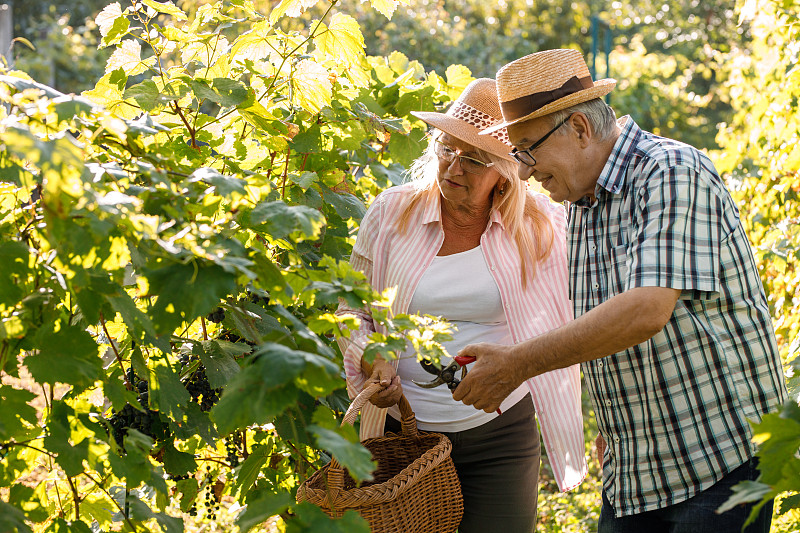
[{"x": 673, "y": 329}]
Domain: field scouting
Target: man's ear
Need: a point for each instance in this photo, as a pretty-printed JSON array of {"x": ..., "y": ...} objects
[{"x": 582, "y": 128}]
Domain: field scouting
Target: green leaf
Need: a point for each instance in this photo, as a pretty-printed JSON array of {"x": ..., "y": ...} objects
[
  {"x": 260, "y": 509},
  {"x": 147, "y": 95},
  {"x": 405, "y": 148},
  {"x": 309, "y": 517},
  {"x": 167, "y": 393},
  {"x": 12, "y": 519},
  {"x": 178, "y": 463},
  {"x": 67, "y": 354},
  {"x": 308, "y": 141},
  {"x": 223, "y": 185},
  {"x": 135, "y": 320},
  {"x": 271, "y": 384},
  {"x": 304, "y": 180},
  {"x": 225, "y": 92},
  {"x": 788, "y": 503},
  {"x": 195, "y": 422},
  {"x": 745, "y": 492},
  {"x": 186, "y": 292},
  {"x": 217, "y": 357},
  {"x": 251, "y": 467},
  {"x": 14, "y": 271},
  {"x": 17, "y": 416},
  {"x": 353, "y": 456},
  {"x": 281, "y": 220},
  {"x": 71, "y": 449},
  {"x": 141, "y": 511},
  {"x": 345, "y": 204},
  {"x": 27, "y": 499}
]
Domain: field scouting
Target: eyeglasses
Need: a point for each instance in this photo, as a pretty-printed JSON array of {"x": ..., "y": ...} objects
[
  {"x": 468, "y": 164},
  {"x": 526, "y": 156}
]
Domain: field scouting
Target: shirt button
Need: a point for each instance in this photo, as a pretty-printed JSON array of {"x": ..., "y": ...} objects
[
  {"x": 608, "y": 403},
  {"x": 596, "y": 285},
  {"x": 593, "y": 247},
  {"x": 616, "y": 439},
  {"x": 599, "y": 363}
]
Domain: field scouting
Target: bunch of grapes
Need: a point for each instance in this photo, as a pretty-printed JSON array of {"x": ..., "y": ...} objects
[
  {"x": 216, "y": 316},
  {"x": 211, "y": 500},
  {"x": 197, "y": 384},
  {"x": 147, "y": 421},
  {"x": 231, "y": 450}
]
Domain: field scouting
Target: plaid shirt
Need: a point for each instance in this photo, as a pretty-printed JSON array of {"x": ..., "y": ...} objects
[{"x": 674, "y": 410}]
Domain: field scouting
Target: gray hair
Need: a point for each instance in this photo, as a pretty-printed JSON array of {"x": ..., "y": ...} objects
[{"x": 601, "y": 117}]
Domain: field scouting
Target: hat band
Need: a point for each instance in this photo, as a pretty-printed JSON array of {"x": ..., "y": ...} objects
[{"x": 525, "y": 105}]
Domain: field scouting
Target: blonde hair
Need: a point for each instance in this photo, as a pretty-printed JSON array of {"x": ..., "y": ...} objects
[{"x": 522, "y": 218}]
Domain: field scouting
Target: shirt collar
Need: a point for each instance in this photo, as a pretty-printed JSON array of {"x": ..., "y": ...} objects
[
  {"x": 433, "y": 212},
  {"x": 612, "y": 176}
]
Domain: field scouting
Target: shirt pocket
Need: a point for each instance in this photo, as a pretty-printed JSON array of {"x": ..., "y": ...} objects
[{"x": 618, "y": 273}]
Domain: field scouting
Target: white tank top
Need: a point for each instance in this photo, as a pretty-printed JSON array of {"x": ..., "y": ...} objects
[{"x": 459, "y": 288}]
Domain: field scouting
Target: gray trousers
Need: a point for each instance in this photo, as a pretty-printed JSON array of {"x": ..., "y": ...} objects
[{"x": 498, "y": 467}]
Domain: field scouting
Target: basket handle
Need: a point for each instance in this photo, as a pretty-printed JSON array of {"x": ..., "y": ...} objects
[{"x": 409, "y": 425}]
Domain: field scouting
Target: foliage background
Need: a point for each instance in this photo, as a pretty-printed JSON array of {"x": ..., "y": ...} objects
[{"x": 721, "y": 78}]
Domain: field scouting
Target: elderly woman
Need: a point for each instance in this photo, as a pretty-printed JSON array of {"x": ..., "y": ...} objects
[{"x": 466, "y": 240}]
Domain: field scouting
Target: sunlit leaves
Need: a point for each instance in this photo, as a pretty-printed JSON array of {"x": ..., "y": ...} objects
[
  {"x": 290, "y": 8},
  {"x": 312, "y": 87},
  {"x": 341, "y": 40},
  {"x": 128, "y": 57},
  {"x": 166, "y": 7},
  {"x": 113, "y": 24}
]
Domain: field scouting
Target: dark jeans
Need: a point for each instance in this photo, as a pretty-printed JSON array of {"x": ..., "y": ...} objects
[
  {"x": 695, "y": 515},
  {"x": 498, "y": 467}
]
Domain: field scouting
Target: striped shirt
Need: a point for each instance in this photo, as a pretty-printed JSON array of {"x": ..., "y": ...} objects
[
  {"x": 393, "y": 259},
  {"x": 674, "y": 410}
]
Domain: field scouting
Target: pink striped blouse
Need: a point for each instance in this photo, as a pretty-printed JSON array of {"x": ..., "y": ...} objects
[{"x": 391, "y": 259}]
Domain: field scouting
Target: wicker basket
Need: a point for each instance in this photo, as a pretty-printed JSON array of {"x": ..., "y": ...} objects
[{"x": 414, "y": 490}]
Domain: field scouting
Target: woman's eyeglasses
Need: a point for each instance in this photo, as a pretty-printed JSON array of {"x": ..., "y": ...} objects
[
  {"x": 468, "y": 164},
  {"x": 526, "y": 156}
]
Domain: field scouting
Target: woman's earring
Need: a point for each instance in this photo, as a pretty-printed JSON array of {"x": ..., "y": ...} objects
[{"x": 501, "y": 190}]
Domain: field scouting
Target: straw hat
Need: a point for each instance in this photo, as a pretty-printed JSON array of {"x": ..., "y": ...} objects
[
  {"x": 476, "y": 109},
  {"x": 543, "y": 83}
]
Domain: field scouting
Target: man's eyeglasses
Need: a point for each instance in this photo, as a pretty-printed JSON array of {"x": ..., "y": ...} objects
[
  {"x": 526, "y": 156},
  {"x": 468, "y": 164}
]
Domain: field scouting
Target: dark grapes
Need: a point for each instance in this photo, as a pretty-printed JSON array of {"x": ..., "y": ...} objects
[
  {"x": 147, "y": 422},
  {"x": 231, "y": 450},
  {"x": 216, "y": 316},
  {"x": 198, "y": 387}
]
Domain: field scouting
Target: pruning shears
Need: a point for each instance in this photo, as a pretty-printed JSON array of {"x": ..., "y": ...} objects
[{"x": 446, "y": 375}]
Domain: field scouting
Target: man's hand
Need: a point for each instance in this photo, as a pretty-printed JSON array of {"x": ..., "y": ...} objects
[
  {"x": 384, "y": 373},
  {"x": 491, "y": 379}
]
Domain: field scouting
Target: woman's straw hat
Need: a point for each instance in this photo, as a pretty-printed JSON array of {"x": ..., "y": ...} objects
[
  {"x": 476, "y": 109},
  {"x": 543, "y": 83}
]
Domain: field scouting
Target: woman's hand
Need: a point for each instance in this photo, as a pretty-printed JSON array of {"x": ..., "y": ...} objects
[{"x": 384, "y": 373}]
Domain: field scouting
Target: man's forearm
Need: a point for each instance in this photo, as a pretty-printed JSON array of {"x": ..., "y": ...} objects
[{"x": 623, "y": 321}]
